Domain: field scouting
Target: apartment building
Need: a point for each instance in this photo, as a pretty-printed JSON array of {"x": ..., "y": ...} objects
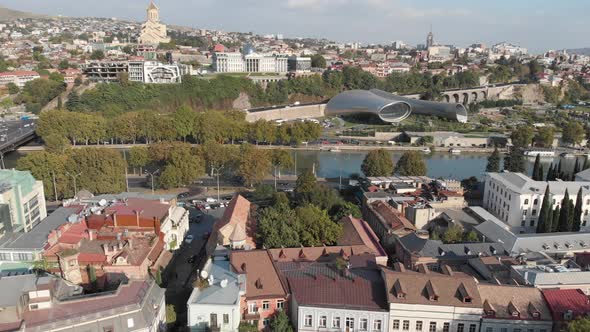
[
  {"x": 20, "y": 78},
  {"x": 22, "y": 201},
  {"x": 516, "y": 199}
]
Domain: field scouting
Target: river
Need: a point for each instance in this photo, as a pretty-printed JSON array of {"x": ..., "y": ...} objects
[{"x": 333, "y": 164}]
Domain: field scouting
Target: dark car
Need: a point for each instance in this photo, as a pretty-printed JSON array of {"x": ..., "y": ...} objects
[
  {"x": 192, "y": 259},
  {"x": 183, "y": 195}
]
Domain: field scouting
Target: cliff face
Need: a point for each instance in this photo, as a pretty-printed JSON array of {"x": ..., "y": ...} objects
[
  {"x": 532, "y": 94},
  {"x": 11, "y": 14}
]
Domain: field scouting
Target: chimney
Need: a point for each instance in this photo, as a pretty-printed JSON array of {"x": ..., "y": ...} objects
[
  {"x": 447, "y": 270},
  {"x": 399, "y": 267},
  {"x": 422, "y": 268},
  {"x": 91, "y": 234}
]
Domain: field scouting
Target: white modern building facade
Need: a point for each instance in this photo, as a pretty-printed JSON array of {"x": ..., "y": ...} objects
[
  {"x": 314, "y": 319},
  {"x": 22, "y": 201},
  {"x": 150, "y": 72},
  {"x": 250, "y": 63},
  {"x": 516, "y": 199},
  {"x": 175, "y": 227}
]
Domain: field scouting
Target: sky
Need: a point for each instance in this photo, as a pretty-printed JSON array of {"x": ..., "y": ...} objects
[{"x": 536, "y": 24}]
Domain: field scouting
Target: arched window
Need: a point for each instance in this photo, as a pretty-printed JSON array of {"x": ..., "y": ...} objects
[
  {"x": 536, "y": 201},
  {"x": 526, "y": 201}
]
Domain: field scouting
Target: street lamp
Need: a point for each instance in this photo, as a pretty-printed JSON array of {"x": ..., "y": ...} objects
[
  {"x": 152, "y": 176},
  {"x": 218, "y": 169},
  {"x": 75, "y": 177},
  {"x": 2, "y": 166}
]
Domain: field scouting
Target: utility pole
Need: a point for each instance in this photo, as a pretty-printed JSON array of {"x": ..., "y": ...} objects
[
  {"x": 54, "y": 185},
  {"x": 126, "y": 170},
  {"x": 218, "y": 169},
  {"x": 75, "y": 177},
  {"x": 152, "y": 176}
]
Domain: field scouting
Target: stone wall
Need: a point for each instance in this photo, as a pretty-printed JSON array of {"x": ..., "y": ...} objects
[{"x": 288, "y": 113}]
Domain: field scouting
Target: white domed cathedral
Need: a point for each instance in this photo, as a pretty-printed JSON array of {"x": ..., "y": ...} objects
[{"x": 152, "y": 31}]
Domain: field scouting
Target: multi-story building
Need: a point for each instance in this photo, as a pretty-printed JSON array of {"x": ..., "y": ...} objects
[
  {"x": 20, "y": 78},
  {"x": 508, "y": 49},
  {"x": 22, "y": 201},
  {"x": 156, "y": 72},
  {"x": 138, "y": 71},
  {"x": 388, "y": 223},
  {"x": 432, "y": 301},
  {"x": 514, "y": 308},
  {"x": 299, "y": 64},
  {"x": 152, "y": 31},
  {"x": 47, "y": 304},
  {"x": 566, "y": 305},
  {"x": 228, "y": 62},
  {"x": 265, "y": 293},
  {"x": 516, "y": 199}
]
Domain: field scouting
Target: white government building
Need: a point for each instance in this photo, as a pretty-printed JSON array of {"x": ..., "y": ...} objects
[
  {"x": 516, "y": 199},
  {"x": 224, "y": 62}
]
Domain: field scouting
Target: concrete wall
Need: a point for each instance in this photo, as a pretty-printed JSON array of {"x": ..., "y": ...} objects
[{"x": 291, "y": 113}]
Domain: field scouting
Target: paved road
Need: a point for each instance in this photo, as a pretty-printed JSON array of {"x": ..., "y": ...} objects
[
  {"x": 179, "y": 274},
  {"x": 13, "y": 131}
]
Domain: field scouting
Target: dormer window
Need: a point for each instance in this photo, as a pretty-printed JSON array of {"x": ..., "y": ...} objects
[
  {"x": 431, "y": 292},
  {"x": 512, "y": 310},
  {"x": 533, "y": 311},
  {"x": 399, "y": 290},
  {"x": 546, "y": 246},
  {"x": 464, "y": 293},
  {"x": 489, "y": 309}
]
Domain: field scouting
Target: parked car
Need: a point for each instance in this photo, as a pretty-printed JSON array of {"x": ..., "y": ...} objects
[{"x": 189, "y": 239}]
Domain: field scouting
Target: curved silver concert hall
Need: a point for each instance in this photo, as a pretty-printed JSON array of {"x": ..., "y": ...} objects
[{"x": 391, "y": 108}]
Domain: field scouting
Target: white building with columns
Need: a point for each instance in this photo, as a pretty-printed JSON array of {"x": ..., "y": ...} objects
[{"x": 516, "y": 199}]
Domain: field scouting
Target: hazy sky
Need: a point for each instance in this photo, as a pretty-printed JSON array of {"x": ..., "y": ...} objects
[{"x": 536, "y": 24}]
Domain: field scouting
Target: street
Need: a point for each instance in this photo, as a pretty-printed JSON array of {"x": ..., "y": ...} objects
[{"x": 179, "y": 273}]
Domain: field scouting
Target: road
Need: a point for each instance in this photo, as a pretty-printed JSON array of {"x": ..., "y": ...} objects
[
  {"x": 179, "y": 273},
  {"x": 11, "y": 132}
]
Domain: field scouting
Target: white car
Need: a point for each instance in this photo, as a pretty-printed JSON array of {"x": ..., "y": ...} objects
[{"x": 188, "y": 239}]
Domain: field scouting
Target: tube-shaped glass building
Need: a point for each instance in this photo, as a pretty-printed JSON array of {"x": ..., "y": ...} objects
[{"x": 391, "y": 108}]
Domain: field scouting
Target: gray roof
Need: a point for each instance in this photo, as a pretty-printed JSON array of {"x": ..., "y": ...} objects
[
  {"x": 110, "y": 197},
  {"x": 215, "y": 294},
  {"x": 496, "y": 231},
  {"x": 583, "y": 175},
  {"x": 538, "y": 278},
  {"x": 520, "y": 183},
  {"x": 37, "y": 237},
  {"x": 435, "y": 248},
  {"x": 14, "y": 287}
]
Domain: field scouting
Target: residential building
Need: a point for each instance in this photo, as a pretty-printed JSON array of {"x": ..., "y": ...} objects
[
  {"x": 105, "y": 71},
  {"x": 428, "y": 301},
  {"x": 516, "y": 199},
  {"x": 566, "y": 305},
  {"x": 152, "y": 31},
  {"x": 388, "y": 223},
  {"x": 155, "y": 72},
  {"x": 215, "y": 306},
  {"x": 514, "y": 308},
  {"x": 46, "y": 304},
  {"x": 553, "y": 276},
  {"x": 20, "y": 78},
  {"x": 325, "y": 298},
  {"x": 22, "y": 201},
  {"x": 508, "y": 49},
  {"x": 414, "y": 250},
  {"x": 325, "y": 253},
  {"x": 265, "y": 293},
  {"x": 237, "y": 227},
  {"x": 138, "y": 71}
]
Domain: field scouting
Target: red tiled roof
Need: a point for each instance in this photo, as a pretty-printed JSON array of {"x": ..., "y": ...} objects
[
  {"x": 262, "y": 279},
  {"x": 91, "y": 258},
  {"x": 562, "y": 300},
  {"x": 393, "y": 218},
  {"x": 146, "y": 208},
  {"x": 237, "y": 211},
  {"x": 358, "y": 232},
  {"x": 19, "y": 73}
]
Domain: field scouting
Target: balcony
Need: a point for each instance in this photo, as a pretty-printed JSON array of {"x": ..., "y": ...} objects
[{"x": 251, "y": 315}]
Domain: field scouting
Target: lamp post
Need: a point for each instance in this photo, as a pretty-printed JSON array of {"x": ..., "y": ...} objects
[
  {"x": 213, "y": 170},
  {"x": 75, "y": 177},
  {"x": 152, "y": 176}
]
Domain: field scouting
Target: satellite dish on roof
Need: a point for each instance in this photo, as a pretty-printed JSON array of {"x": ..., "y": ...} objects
[
  {"x": 204, "y": 274},
  {"x": 102, "y": 202},
  {"x": 223, "y": 283},
  {"x": 73, "y": 218}
]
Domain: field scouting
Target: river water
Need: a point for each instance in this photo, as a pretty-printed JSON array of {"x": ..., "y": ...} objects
[{"x": 334, "y": 164}]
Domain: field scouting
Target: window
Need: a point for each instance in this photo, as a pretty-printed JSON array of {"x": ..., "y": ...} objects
[
  {"x": 432, "y": 327},
  {"x": 536, "y": 201},
  {"x": 526, "y": 201},
  {"x": 489, "y": 329},
  {"x": 308, "y": 320},
  {"x": 225, "y": 318},
  {"x": 280, "y": 304},
  {"x": 586, "y": 212},
  {"x": 504, "y": 329},
  {"x": 266, "y": 322},
  {"x": 419, "y": 325},
  {"x": 534, "y": 213},
  {"x": 265, "y": 305},
  {"x": 516, "y": 330},
  {"x": 396, "y": 324},
  {"x": 532, "y": 223},
  {"x": 252, "y": 307},
  {"x": 377, "y": 326},
  {"x": 364, "y": 324},
  {"x": 524, "y": 213},
  {"x": 460, "y": 327},
  {"x": 336, "y": 322},
  {"x": 446, "y": 327},
  {"x": 350, "y": 322},
  {"x": 323, "y": 321},
  {"x": 472, "y": 327},
  {"x": 406, "y": 325},
  {"x": 522, "y": 223},
  {"x": 530, "y": 330}
]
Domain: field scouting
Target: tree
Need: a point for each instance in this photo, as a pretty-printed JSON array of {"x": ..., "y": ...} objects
[
  {"x": 318, "y": 61},
  {"x": 56, "y": 143},
  {"x": 281, "y": 159},
  {"x": 471, "y": 237},
  {"x": 185, "y": 120},
  {"x": 304, "y": 187},
  {"x": 73, "y": 102},
  {"x": 514, "y": 161},
  {"x": 315, "y": 228},
  {"x": 555, "y": 219},
  {"x": 263, "y": 192},
  {"x": 59, "y": 103},
  {"x": 377, "y": 163},
  {"x": 63, "y": 64},
  {"x": 138, "y": 157},
  {"x": 573, "y": 133},
  {"x": 275, "y": 227},
  {"x": 544, "y": 137},
  {"x": 564, "y": 215},
  {"x": 346, "y": 209},
  {"x": 522, "y": 136},
  {"x": 493, "y": 165},
  {"x": 536, "y": 169},
  {"x": 577, "y": 215},
  {"x": 158, "y": 277},
  {"x": 92, "y": 275},
  {"x": 12, "y": 88},
  {"x": 254, "y": 165},
  {"x": 411, "y": 163},
  {"x": 170, "y": 314},
  {"x": 280, "y": 322},
  {"x": 453, "y": 234},
  {"x": 544, "y": 224},
  {"x": 97, "y": 55},
  {"x": 579, "y": 325},
  {"x": 550, "y": 173}
]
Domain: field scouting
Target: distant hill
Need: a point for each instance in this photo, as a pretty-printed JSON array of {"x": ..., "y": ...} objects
[
  {"x": 581, "y": 51},
  {"x": 10, "y": 14}
]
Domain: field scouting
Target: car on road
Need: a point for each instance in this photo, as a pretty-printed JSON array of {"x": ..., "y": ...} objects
[
  {"x": 189, "y": 239},
  {"x": 192, "y": 259},
  {"x": 184, "y": 194}
]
